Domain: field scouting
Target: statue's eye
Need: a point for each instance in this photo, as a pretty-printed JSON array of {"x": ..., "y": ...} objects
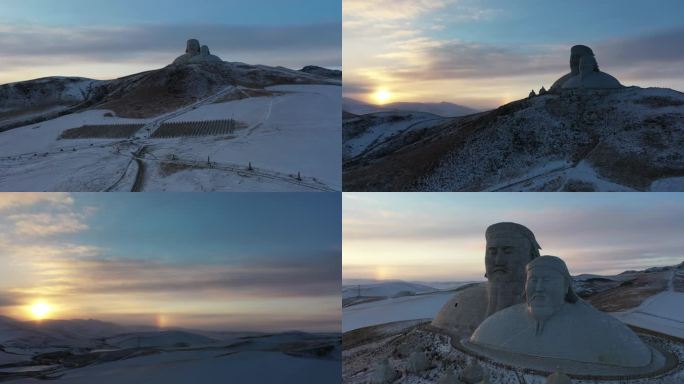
[
  {"x": 492, "y": 251},
  {"x": 508, "y": 250}
]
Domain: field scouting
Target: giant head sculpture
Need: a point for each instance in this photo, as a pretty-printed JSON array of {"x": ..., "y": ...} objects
[
  {"x": 510, "y": 247},
  {"x": 547, "y": 288},
  {"x": 577, "y": 52}
]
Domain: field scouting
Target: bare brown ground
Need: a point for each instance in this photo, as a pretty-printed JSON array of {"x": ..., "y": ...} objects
[
  {"x": 101, "y": 131},
  {"x": 246, "y": 93},
  {"x": 168, "y": 168},
  {"x": 631, "y": 293}
]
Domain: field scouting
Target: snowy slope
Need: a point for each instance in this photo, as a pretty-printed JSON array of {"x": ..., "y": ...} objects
[
  {"x": 663, "y": 312},
  {"x": 29, "y": 100},
  {"x": 630, "y": 139},
  {"x": 390, "y": 310},
  {"x": 363, "y": 134}
]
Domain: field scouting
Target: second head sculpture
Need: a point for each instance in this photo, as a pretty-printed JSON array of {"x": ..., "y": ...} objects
[
  {"x": 547, "y": 288},
  {"x": 510, "y": 247}
]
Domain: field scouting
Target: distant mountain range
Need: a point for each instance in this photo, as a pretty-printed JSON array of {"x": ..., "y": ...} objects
[{"x": 443, "y": 109}]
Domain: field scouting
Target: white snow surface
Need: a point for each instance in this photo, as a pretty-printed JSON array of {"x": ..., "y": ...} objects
[
  {"x": 298, "y": 132},
  {"x": 663, "y": 312},
  {"x": 206, "y": 367},
  {"x": 390, "y": 310},
  {"x": 388, "y": 125},
  {"x": 536, "y": 178}
]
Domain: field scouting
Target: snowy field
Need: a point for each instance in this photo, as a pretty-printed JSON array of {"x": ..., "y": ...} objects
[
  {"x": 663, "y": 312},
  {"x": 292, "y": 140},
  {"x": 390, "y": 310},
  {"x": 90, "y": 351},
  {"x": 206, "y": 367}
]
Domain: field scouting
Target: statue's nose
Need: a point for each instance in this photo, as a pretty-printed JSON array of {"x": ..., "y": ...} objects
[
  {"x": 539, "y": 286},
  {"x": 499, "y": 257}
]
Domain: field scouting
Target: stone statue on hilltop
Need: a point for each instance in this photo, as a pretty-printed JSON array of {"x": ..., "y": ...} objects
[
  {"x": 576, "y": 53},
  {"x": 194, "y": 54},
  {"x": 554, "y": 324},
  {"x": 584, "y": 72},
  {"x": 509, "y": 248},
  {"x": 591, "y": 79}
]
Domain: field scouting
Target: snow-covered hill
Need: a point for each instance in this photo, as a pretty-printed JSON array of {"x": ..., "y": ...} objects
[
  {"x": 35, "y": 100},
  {"x": 367, "y": 135},
  {"x": 284, "y": 136},
  {"x": 630, "y": 139}
]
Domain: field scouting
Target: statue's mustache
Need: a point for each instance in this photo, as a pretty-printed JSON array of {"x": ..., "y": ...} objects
[{"x": 538, "y": 297}]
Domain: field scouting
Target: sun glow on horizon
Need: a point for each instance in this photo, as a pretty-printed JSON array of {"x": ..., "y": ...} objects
[
  {"x": 40, "y": 310},
  {"x": 382, "y": 96}
]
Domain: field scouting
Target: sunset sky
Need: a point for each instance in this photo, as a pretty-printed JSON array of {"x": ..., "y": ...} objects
[
  {"x": 440, "y": 236},
  {"x": 218, "y": 261},
  {"x": 484, "y": 53},
  {"x": 109, "y": 39}
]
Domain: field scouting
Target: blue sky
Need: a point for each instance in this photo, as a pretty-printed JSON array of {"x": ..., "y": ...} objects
[
  {"x": 440, "y": 236},
  {"x": 122, "y": 12},
  {"x": 108, "y": 39},
  {"x": 256, "y": 261},
  {"x": 484, "y": 53},
  {"x": 184, "y": 227},
  {"x": 543, "y": 21}
]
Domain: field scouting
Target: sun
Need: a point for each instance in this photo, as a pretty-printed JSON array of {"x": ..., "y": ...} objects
[
  {"x": 40, "y": 310},
  {"x": 382, "y": 96}
]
